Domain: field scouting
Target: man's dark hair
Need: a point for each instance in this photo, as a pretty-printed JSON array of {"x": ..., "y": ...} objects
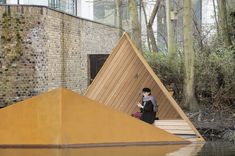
[{"x": 147, "y": 90}]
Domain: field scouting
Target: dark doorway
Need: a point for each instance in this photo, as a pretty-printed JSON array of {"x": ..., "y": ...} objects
[{"x": 96, "y": 62}]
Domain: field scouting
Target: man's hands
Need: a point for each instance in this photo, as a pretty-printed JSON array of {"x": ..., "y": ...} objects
[{"x": 139, "y": 105}]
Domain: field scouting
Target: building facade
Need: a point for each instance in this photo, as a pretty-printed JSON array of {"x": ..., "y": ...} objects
[
  {"x": 79, "y": 8},
  {"x": 42, "y": 49}
]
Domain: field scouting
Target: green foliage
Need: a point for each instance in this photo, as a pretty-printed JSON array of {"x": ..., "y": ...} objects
[
  {"x": 214, "y": 74},
  {"x": 11, "y": 40},
  {"x": 170, "y": 72}
]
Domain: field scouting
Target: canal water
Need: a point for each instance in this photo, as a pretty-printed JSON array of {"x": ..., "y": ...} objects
[{"x": 207, "y": 149}]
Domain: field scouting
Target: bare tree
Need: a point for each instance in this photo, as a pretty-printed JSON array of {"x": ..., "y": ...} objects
[
  {"x": 223, "y": 22},
  {"x": 216, "y": 18},
  {"x": 136, "y": 32},
  {"x": 189, "y": 94},
  {"x": 146, "y": 23},
  {"x": 171, "y": 39},
  {"x": 119, "y": 15},
  {"x": 149, "y": 25}
]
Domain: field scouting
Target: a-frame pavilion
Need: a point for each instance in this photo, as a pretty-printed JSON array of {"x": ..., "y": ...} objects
[{"x": 119, "y": 84}]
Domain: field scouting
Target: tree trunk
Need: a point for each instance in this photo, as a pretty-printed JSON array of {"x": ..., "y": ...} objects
[
  {"x": 136, "y": 32},
  {"x": 216, "y": 17},
  {"x": 146, "y": 23},
  {"x": 152, "y": 38},
  {"x": 189, "y": 96},
  {"x": 171, "y": 40},
  {"x": 150, "y": 25},
  {"x": 119, "y": 15},
  {"x": 223, "y": 22}
]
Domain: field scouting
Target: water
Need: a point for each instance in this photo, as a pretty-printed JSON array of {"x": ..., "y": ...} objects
[
  {"x": 207, "y": 149},
  {"x": 217, "y": 149}
]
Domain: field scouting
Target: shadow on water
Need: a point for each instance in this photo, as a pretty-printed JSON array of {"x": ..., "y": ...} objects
[{"x": 207, "y": 149}]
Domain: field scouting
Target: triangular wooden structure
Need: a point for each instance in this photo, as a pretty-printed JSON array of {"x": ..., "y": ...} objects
[
  {"x": 62, "y": 117},
  {"x": 119, "y": 84}
]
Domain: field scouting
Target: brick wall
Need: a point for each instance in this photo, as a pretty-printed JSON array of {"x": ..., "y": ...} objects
[{"x": 42, "y": 49}]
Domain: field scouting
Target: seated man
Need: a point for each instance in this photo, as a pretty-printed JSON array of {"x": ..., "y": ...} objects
[{"x": 148, "y": 107}]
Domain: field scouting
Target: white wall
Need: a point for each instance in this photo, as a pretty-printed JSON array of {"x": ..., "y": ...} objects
[{"x": 85, "y": 9}]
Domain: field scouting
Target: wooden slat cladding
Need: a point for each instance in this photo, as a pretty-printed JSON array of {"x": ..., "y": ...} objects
[
  {"x": 124, "y": 76},
  {"x": 121, "y": 79}
]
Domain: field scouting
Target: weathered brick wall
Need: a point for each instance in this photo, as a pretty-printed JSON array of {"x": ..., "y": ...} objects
[{"x": 42, "y": 49}]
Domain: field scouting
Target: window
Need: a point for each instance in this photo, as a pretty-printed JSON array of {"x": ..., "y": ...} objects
[
  {"x": 2, "y": 1},
  {"x": 96, "y": 61}
]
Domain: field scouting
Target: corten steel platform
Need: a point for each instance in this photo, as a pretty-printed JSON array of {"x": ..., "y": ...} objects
[{"x": 62, "y": 118}]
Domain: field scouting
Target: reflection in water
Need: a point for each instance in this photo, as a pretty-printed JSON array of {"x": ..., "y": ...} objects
[
  {"x": 189, "y": 150},
  {"x": 124, "y": 151},
  {"x": 215, "y": 149}
]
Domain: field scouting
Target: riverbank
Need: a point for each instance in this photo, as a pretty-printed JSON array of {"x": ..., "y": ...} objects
[{"x": 215, "y": 125}]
